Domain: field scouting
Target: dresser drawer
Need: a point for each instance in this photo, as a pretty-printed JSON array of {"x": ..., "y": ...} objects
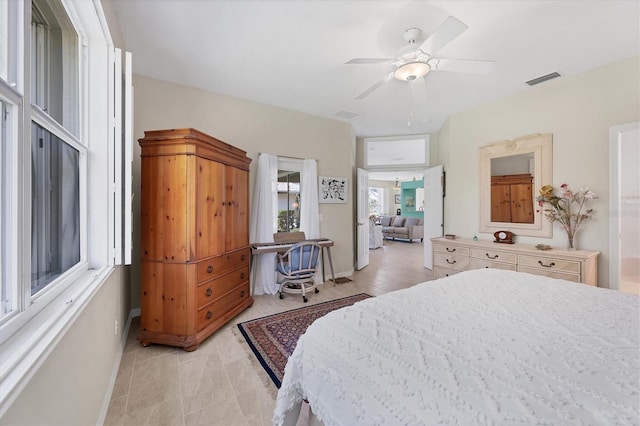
[
  {"x": 211, "y": 290},
  {"x": 480, "y": 264},
  {"x": 549, "y": 264},
  {"x": 451, "y": 261},
  {"x": 450, "y": 248},
  {"x": 551, "y": 274},
  {"x": 220, "y": 307},
  {"x": 439, "y": 272},
  {"x": 218, "y": 265},
  {"x": 495, "y": 255}
]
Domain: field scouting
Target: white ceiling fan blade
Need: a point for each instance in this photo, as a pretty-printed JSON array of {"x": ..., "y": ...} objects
[
  {"x": 461, "y": 65},
  {"x": 368, "y": 60},
  {"x": 374, "y": 86},
  {"x": 443, "y": 35}
]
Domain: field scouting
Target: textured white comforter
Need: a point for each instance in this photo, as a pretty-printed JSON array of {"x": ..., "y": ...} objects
[{"x": 480, "y": 347}]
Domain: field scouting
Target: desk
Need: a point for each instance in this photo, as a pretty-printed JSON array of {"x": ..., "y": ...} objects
[{"x": 272, "y": 247}]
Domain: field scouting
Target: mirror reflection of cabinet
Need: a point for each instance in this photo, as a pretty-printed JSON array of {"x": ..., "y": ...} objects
[
  {"x": 536, "y": 152},
  {"x": 512, "y": 198}
]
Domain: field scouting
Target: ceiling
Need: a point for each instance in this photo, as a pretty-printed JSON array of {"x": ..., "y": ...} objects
[{"x": 292, "y": 54}]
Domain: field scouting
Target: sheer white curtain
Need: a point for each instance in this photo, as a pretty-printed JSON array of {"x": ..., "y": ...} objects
[
  {"x": 309, "y": 211},
  {"x": 264, "y": 216}
]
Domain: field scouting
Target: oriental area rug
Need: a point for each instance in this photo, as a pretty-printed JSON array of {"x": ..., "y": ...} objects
[{"x": 273, "y": 338}]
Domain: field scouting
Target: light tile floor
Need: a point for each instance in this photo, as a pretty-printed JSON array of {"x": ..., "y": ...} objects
[{"x": 221, "y": 383}]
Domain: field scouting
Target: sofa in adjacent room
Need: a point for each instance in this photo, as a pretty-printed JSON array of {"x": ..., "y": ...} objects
[{"x": 406, "y": 228}]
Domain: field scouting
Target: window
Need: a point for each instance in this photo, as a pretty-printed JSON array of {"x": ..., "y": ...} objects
[
  {"x": 48, "y": 240},
  {"x": 288, "y": 201},
  {"x": 289, "y": 178},
  {"x": 375, "y": 201}
]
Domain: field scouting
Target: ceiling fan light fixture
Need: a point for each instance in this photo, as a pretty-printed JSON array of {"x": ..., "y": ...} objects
[{"x": 411, "y": 71}]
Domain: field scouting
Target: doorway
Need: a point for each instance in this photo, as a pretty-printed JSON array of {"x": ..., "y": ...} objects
[{"x": 624, "y": 270}]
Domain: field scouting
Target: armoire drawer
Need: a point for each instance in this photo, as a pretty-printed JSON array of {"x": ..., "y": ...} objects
[
  {"x": 211, "y": 290},
  {"x": 549, "y": 264},
  {"x": 451, "y": 261},
  {"x": 219, "y": 307},
  {"x": 218, "y": 265},
  {"x": 494, "y": 255},
  {"x": 481, "y": 263}
]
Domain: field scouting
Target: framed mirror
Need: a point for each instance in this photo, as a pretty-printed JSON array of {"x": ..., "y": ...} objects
[{"x": 511, "y": 174}]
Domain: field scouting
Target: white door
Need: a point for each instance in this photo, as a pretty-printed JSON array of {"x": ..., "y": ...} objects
[
  {"x": 433, "y": 208},
  {"x": 624, "y": 200},
  {"x": 363, "y": 219}
]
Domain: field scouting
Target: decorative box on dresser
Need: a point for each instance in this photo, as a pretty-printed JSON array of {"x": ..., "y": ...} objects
[
  {"x": 195, "y": 236},
  {"x": 453, "y": 256}
]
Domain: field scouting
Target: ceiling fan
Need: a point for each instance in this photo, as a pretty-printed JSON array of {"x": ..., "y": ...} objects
[{"x": 416, "y": 62}]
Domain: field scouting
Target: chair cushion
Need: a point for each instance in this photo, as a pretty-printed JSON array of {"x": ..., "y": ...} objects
[
  {"x": 411, "y": 221},
  {"x": 385, "y": 221},
  {"x": 398, "y": 221}
]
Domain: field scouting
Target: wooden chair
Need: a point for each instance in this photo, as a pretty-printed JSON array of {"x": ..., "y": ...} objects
[{"x": 297, "y": 268}]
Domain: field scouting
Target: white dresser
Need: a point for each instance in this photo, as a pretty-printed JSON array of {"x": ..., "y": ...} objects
[{"x": 452, "y": 256}]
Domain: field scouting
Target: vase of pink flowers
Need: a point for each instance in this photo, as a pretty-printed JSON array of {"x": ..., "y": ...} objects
[{"x": 568, "y": 208}]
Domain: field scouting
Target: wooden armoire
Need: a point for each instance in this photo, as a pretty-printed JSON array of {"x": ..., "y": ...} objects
[
  {"x": 512, "y": 198},
  {"x": 195, "y": 236}
]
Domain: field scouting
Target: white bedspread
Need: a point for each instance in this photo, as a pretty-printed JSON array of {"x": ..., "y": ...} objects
[{"x": 480, "y": 347}]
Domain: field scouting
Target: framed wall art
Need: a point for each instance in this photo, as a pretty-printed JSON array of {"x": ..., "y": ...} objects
[{"x": 333, "y": 189}]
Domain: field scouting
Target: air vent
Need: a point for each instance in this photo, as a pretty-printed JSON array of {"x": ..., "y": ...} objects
[
  {"x": 346, "y": 114},
  {"x": 543, "y": 79}
]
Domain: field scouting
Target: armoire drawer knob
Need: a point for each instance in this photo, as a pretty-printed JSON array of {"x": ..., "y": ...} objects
[
  {"x": 242, "y": 293},
  {"x": 209, "y": 315},
  {"x": 243, "y": 257},
  {"x": 209, "y": 269},
  {"x": 209, "y": 292},
  {"x": 242, "y": 275}
]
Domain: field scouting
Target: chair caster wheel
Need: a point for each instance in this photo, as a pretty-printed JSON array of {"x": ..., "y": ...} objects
[
  {"x": 304, "y": 299},
  {"x": 281, "y": 296},
  {"x": 317, "y": 291}
]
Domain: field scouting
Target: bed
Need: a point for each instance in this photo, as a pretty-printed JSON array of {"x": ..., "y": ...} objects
[{"x": 480, "y": 347}]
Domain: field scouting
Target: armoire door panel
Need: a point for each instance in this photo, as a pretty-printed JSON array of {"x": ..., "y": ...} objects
[
  {"x": 210, "y": 208},
  {"x": 164, "y": 208},
  {"x": 237, "y": 206}
]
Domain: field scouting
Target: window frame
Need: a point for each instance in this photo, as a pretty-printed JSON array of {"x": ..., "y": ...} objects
[{"x": 30, "y": 332}]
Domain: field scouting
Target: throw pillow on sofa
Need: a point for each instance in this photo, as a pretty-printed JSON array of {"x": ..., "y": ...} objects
[
  {"x": 398, "y": 221},
  {"x": 411, "y": 221},
  {"x": 385, "y": 220}
]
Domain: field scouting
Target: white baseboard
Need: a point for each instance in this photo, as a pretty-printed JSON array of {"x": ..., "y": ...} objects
[{"x": 116, "y": 367}]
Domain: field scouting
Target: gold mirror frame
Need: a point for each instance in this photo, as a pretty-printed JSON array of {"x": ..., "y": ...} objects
[{"x": 541, "y": 146}]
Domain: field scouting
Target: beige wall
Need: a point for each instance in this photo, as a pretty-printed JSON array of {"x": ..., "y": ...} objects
[
  {"x": 254, "y": 128},
  {"x": 70, "y": 387},
  {"x": 578, "y": 111}
]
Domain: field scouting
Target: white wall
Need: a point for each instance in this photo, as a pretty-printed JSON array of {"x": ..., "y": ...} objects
[
  {"x": 70, "y": 387},
  {"x": 254, "y": 128},
  {"x": 578, "y": 111}
]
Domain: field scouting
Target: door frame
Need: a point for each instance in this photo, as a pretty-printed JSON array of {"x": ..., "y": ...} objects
[{"x": 615, "y": 137}]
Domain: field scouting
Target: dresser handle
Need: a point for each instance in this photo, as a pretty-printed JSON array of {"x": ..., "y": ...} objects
[
  {"x": 243, "y": 257},
  {"x": 450, "y": 262},
  {"x": 242, "y": 275},
  {"x": 209, "y": 292},
  {"x": 209, "y": 269},
  {"x": 209, "y": 315},
  {"x": 546, "y": 266},
  {"x": 242, "y": 293},
  {"x": 491, "y": 257},
  {"x": 449, "y": 250}
]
